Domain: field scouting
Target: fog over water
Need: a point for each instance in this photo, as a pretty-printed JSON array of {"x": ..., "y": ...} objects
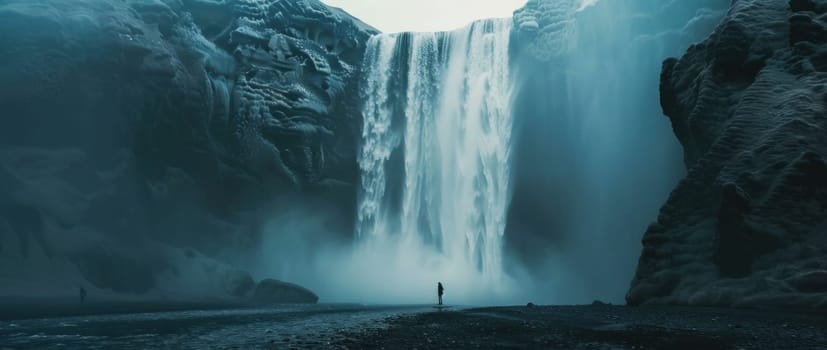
[
  {"x": 435, "y": 156},
  {"x": 514, "y": 159},
  {"x": 582, "y": 142},
  {"x": 594, "y": 158}
]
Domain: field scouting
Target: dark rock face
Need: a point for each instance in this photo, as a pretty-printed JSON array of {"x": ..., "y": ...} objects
[
  {"x": 167, "y": 124},
  {"x": 239, "y": 283},
  {"x": 749, "y": 105},
  {"x": 271, "y": 291}
]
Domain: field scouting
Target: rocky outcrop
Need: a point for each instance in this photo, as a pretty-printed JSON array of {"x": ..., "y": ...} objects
[
  {"x": 272, "y": 291},
  {"x": 546, "y": 27},
  {"x": 551, "y": 30},
  {"x": 747, "y": 225},
  {"x": 285, "y": 110},
  {"x": 167, "y": 125}
]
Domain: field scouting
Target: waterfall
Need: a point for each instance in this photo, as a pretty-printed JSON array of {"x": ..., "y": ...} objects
[{"x": 436, "y": 145}]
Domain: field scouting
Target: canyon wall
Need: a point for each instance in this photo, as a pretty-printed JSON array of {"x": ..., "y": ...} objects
[
  {"x": 747, "y": 226},
  {"x": 144, "y": 143}
]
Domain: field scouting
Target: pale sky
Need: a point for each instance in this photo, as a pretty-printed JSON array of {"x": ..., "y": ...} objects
[{"x": 425, "y": 15}]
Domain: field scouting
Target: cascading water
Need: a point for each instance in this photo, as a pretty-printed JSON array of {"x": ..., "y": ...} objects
[
  {"x": 435, "y": 155},
  {"x": 594, "y": 158},
  {"x": 513, "y": 160}
]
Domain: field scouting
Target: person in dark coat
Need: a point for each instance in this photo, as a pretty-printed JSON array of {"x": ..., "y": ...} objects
[{"x": 439, "y": 291}]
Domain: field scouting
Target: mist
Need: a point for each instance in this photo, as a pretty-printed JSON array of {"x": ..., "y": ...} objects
[
  {"x": 469, "y": 174},
  {"x": 595, "y": 157},
  {"x": 591, "y": 161},
  {"x": 513, "y": 160}
]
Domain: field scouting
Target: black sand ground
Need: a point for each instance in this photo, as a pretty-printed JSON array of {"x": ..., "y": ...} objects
[
  {"x": 598, "y": 327},
  {"x": 19, "y": 308},
  {"x": 127, "y": 327},
  {"x": 112, "y": 325}
]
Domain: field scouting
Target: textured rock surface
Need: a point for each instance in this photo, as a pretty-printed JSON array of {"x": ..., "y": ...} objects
[
  {"x": 272, "y": 291},
  {"x": 141, "y": 127},
  {"x": 551, "y": 29},
  {"x": 748, "y": 224},
  {"x": 547, "y": 27}
]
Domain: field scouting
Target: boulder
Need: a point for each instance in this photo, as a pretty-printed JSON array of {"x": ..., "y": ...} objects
[
  {"x": 810, "y": 282},
  {"x": 239, "y": 283},
  {"x": 270, "y": 291}
]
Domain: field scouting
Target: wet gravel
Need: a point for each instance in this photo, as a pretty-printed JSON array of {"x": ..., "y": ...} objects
[
  {"x": 345, "y": 326},
  {"x": 282, "y": 327},
  {"x": 597, "y": 327}
]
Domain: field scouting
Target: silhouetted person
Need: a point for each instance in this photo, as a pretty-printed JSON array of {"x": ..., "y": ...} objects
[
  {"x": 82, "y": 294},
  {"x": 439, "y": 291}
]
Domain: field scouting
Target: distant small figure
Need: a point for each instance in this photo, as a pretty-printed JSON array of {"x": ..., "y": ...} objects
[
  {"x": 82, "y": 294},
  {"x": 439, "y": 291}
]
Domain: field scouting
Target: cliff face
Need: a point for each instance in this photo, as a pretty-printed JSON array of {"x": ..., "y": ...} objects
[
  {"x": 137, "y": 128},
  {"x": 747, "y": 225}
]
